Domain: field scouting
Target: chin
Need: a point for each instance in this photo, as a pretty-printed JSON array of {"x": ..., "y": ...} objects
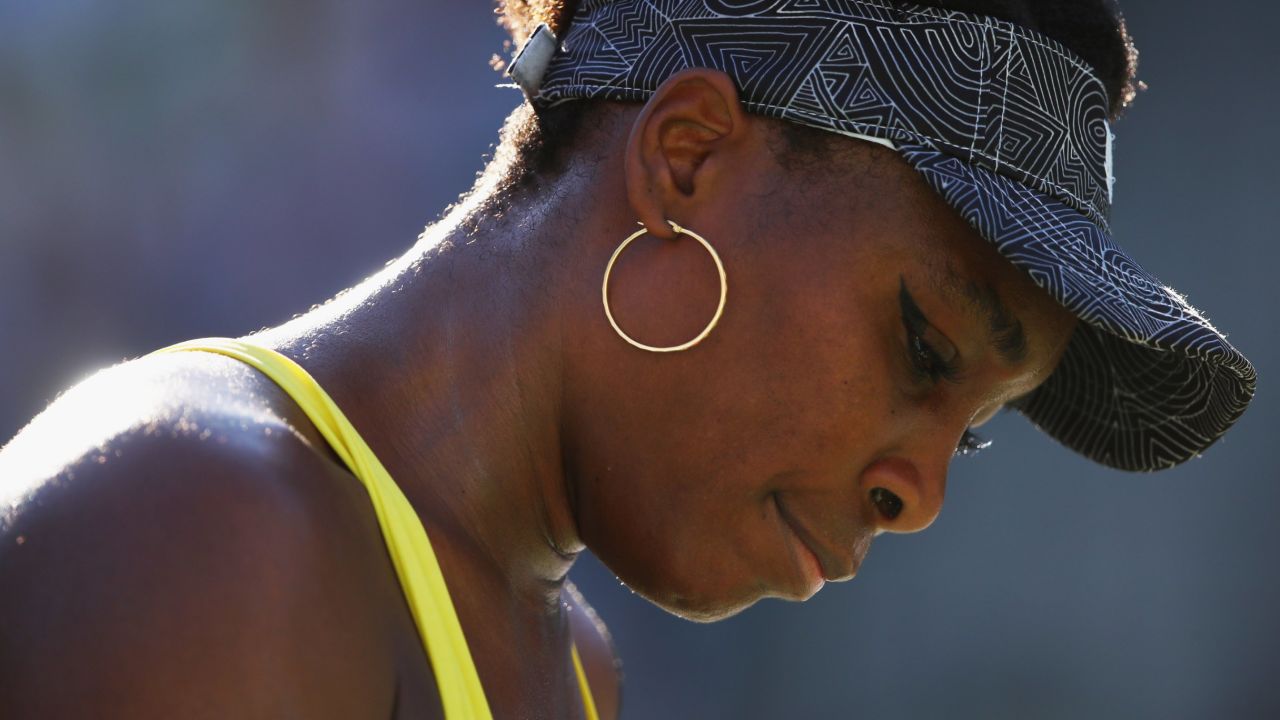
[
  {"x": 706, "y": 614},
  {"x": 701, "y": 587},
  {"x": 699, "y": 606}
]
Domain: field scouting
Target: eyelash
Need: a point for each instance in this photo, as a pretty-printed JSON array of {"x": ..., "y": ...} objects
[{"x": 971, "y": 444}]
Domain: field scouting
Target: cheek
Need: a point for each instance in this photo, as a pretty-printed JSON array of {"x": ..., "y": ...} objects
[
  {"x": 828, "y": 376},
  {"x": 698, "y": 560},
  {"x": 674, "y": 486},
  {"x": 670, "y": 492}
]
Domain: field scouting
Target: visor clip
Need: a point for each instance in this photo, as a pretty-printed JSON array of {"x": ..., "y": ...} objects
[{"x": 530, "y": 64}]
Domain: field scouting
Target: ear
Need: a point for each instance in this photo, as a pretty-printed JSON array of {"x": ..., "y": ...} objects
[{"x": 689, "y": 118}]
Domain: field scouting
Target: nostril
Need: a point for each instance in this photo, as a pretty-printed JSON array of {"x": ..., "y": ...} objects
[{"x": 889, "y": 505}]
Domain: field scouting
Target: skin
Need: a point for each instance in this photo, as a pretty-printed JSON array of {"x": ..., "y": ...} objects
[{"x": 183, "y": 543}]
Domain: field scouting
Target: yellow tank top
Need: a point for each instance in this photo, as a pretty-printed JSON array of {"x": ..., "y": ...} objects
[{"x": 415, "y": 562}]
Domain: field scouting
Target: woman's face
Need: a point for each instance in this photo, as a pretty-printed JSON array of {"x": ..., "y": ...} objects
[{"x": 866, "y": 328}]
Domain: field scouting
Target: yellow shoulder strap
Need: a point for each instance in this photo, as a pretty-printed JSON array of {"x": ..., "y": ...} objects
[
  {"x": 588, "y": 700},
  {"x": 415, "y": 562}
]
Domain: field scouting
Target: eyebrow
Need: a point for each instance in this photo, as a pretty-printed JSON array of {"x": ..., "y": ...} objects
[{"x": 1004, "y": 329}]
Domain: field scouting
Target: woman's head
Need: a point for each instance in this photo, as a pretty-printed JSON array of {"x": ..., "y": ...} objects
[{"x": 868, "y": 327}]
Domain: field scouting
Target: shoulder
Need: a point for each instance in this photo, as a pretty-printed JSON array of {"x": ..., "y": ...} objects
[
  {"x": 193, "y": 434},
  {"x": 194, "y": 395},
  {"x": 599, "y": 657},
  {"x": 171, "y": 545}
]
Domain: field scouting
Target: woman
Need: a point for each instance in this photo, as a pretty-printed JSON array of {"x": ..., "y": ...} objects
[{"x": 904, "y": 213}]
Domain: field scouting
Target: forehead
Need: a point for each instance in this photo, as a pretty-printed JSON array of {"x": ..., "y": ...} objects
[{"x": 871, "y": 193}]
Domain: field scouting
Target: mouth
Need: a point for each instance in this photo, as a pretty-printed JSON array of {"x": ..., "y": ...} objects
[
  {"x": 808, "y": 562},
  {"x": 831, "y": 567}
]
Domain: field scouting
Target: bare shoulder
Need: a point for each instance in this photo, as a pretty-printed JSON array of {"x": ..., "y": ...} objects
[
  {"x": 599, "y": 657},
  {"x": 205, "y": 396},
  {"x": 171, "y": 546}
]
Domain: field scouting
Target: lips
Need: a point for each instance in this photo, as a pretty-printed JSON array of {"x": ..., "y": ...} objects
[
  {"x": 805, "y": 562},
  {"x": 834, "y": 567}
]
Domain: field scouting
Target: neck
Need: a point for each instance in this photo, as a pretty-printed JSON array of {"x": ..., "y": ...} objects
[{"x": 448, "y": 363}]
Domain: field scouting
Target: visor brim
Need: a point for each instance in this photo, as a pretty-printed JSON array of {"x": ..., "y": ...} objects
[{"x": 1146, "y": 382}]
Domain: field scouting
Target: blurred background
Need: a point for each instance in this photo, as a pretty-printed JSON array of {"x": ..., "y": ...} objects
[{"x": 173, "y": 169}]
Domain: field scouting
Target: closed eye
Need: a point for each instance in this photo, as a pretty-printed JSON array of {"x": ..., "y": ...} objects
[{"x": 927, "y": 363}]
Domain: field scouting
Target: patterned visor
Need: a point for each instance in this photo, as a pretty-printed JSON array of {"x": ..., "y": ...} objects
[{"x": 1007, "y": 125}]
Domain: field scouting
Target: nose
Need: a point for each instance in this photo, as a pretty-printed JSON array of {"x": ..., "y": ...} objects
[{"x": 903, "y": 495}]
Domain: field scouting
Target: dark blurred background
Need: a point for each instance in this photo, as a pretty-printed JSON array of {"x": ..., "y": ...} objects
[{"x": 180, "y": 168}]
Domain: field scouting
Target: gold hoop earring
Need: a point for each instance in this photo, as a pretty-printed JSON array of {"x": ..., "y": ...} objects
[{"x": 724, "y": 291}]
